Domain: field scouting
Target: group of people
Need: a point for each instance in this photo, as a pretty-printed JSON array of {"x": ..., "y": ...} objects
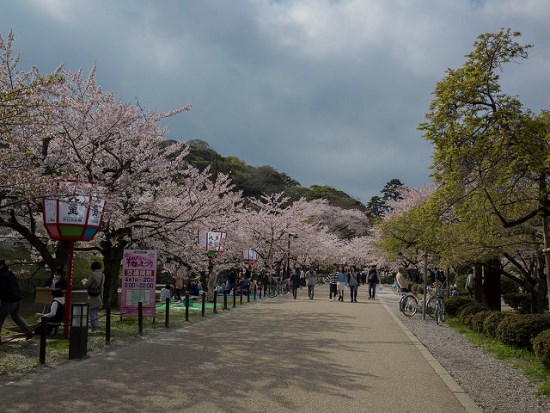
[
  {"x": 11, "y": 296},
  {"x": 195, "y": 285},
  {"x": 340, "y": 279}
]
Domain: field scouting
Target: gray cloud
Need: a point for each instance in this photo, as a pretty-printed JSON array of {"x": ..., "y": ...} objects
[{"x": 329, "y": 92}]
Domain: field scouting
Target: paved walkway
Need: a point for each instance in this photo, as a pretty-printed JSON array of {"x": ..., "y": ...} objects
[{"x": 269, "y": 356}]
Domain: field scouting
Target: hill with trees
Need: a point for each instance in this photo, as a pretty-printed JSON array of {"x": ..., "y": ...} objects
[{"x": 256, "y": 181}]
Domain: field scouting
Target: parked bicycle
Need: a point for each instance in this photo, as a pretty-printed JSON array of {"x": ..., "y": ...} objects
[
  {"x": 272, "y": 288},
  {"x": 435, "y": 306},
  {"x": 408, "y": 304}
]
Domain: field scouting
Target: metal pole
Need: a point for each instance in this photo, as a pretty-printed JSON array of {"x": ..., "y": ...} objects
[
  {"x": 288, "y": 258},
  {"x": 108, "y": 326},
  {"x": 186, "y": 307},
  {"x": 425, "y": 285},
  {"x": 140, "y": 318},
  {"x": 69, "y": 291},
  {"x": 215, "y": 302},
  {"x": 203, "y": 306},
  {"x": 43, "y": 332},
  {"x": 167, "y": 313}
]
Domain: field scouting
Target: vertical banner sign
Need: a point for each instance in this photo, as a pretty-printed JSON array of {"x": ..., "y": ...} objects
[{"x": 139, "y": 279}]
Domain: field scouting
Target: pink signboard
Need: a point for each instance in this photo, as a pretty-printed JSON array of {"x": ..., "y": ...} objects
[{"x": 139, "y": 279}]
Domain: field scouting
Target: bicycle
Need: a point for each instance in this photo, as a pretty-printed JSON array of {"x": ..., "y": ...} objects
[
  {"x": 272, "y": 289},
  {"x": 439, "y": 311},
  {"x": 435, "y": 306},
  {"x": 408, "y": 304}
]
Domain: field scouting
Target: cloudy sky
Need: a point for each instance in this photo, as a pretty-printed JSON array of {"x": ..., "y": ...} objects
[{"x": 328, "y": 91}]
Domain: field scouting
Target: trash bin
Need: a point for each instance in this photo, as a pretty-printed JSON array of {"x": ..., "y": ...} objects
[{"x": 78, "y": 336}]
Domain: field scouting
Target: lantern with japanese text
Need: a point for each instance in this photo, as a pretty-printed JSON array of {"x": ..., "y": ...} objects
[
  {"x": 75, "y": 214},
  {"x": 250, "y": 256}
]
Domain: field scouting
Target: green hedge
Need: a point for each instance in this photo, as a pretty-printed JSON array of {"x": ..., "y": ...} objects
[
  {"x": 518, "y": 301},
  {"x": 541, "y": 347},
  {"x": 491, "y": 322},
  {"x": 520, "y": 330},
  {"x": 467, "y": 311},
  {"x": 454, "y": 304},
  {"x": 477, "y": 320}
]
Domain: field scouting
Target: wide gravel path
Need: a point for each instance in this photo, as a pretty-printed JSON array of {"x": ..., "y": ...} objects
[{"x": 493, "y": 384}]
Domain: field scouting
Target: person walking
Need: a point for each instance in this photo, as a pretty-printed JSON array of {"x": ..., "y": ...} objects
[
  {"x": 354, "y": 279},
  {"x": 333, "y": 284},
  {"x": 341, "y": 285},
  {"x": 179, "y": 282},
  {"x": 95, "y": 281},
  {"x": 311, "y": 280},
  {"x": 10, "y": 298},
  {"x": 373, "y": 279},
  {"x": 470, "y": 284},
  {"x": 295, "y": 282}
]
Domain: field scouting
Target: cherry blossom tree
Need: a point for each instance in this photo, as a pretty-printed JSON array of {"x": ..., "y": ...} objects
[{"x": 83, "y": 133}]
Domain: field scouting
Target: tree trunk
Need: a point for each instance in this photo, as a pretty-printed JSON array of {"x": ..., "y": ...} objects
[
  {"x": 491, "y": 285},
  {"x": 478, "y": 284},
  {"x": 546, "y": 251},
  {"x": 112, "y": 258},
  {"x": 539, "y": 289}
]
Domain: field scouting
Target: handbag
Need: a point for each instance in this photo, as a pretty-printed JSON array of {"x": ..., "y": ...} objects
[{"x": 93, "y": 292}]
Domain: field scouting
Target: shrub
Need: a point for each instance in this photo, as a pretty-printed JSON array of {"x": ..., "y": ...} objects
[
  {"x": 461, "y": 283},
  {"x": 541, "y": 347},
  {"x": 518, "y": 301},
  {"x": 507, "y": 286},
  {"x": 477, "y": 320},
  {"x": 491, "y": 322},
  {"x": 519, "y": 330},
  {"x": 454, "y": 304},
  {"x": 469, "y": 310}
]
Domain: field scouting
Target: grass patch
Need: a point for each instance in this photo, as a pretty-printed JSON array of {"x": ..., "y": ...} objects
[
  {"x": 19, "y": 357},
  {"x": 521, "y": 359}
]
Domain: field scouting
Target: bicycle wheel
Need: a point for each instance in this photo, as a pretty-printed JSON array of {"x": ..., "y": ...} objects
[
  {"x": 430, "y": 307},
  {"x": 271, "y": 290},
  {"x": 409, "y": 305},
  {"x": 439, "y": 311}
]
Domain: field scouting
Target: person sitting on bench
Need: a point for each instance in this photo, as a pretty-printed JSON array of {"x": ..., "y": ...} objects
[{"x": 57, "y": 312}]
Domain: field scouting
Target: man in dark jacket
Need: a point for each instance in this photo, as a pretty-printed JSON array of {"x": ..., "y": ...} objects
[{"x": 10, "y": 297}]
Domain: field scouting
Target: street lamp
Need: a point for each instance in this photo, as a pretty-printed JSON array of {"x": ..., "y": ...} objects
[
  {"x": 213, "y": 242},
  {"x": 290, "y": 235},
  {"x": 74, "y": 215}
]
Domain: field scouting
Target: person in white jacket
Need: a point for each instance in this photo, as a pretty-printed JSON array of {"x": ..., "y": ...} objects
[
  {"x": 402, "y": 282},
  {"x": 470, "y": 283},
  {"x": 57, "y": 312}
]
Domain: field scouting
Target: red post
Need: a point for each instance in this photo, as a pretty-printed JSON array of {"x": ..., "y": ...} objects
[{"x": 70, "y": 267}]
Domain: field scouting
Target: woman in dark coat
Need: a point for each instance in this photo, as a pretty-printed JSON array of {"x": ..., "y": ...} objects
[{"x": 295, "y": 282}]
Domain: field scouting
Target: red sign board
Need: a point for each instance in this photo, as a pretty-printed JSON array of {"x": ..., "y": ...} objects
[{"x": 139, "y": 280}]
